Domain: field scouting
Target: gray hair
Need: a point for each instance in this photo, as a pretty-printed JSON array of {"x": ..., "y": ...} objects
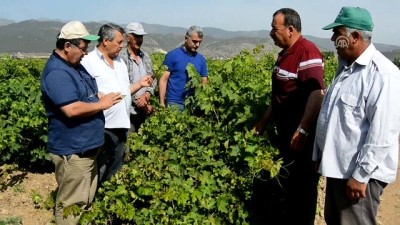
[
  {"x": 194, "y": 29},
  {"x": 108, "y": 31},
  {"x": 366, "y": 35}
]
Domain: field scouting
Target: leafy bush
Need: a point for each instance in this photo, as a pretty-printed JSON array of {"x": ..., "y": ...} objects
[
  {"x": 331, "y": 65},
  {"x": 23, "y": 123},
  {"x": 197, "y": 166},
  {"x": 190, "y": 167}
]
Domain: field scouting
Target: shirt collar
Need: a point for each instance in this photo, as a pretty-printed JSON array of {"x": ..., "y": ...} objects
[
  {"x": 60, "y": 58},
  {"x": 141, "y": 54},
  {"x": 293, "y": 48},
  {"x": 101, "y": 55},
  {"x": 98, "y": 53},
  {"x": 187, "y": 52},
  {"x": 362, "y": 60},
  {"x": 366, "y": 56}
]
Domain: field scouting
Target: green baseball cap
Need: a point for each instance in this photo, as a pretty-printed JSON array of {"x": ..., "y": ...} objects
[{"x": 353, "y": 17}]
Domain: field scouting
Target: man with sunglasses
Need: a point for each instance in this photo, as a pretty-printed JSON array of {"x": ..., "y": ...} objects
[
  {"x": 173, "y": 91},
  {"x": 76, "y": 120}
]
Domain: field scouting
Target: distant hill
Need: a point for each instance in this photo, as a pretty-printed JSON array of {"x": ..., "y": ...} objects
[
  {"x": 5, "y": 22},
  {"x": 38, "y": 36}
]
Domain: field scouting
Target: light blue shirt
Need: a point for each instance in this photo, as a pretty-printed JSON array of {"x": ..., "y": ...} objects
[{"x": 359, "y": 123}]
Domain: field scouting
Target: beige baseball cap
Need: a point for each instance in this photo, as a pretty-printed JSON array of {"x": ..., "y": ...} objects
[{"x": 75, "y": 30}]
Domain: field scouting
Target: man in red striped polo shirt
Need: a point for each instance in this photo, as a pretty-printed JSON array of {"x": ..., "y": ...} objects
[{"x": 297, "y": 92}]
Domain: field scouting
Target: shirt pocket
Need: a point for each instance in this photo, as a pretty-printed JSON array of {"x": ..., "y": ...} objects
[{"x": 351, "y": 108}]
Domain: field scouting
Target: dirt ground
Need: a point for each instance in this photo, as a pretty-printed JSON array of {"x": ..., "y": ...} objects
[{"x": 17, "y": 200}]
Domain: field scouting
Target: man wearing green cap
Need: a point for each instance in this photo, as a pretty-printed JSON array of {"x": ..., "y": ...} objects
[
  {"x": 76, "y": 120},
  {"x": 358, "y": 126}
]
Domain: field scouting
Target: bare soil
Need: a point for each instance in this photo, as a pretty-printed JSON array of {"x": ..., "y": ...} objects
[{"x": 17, "y": 200}]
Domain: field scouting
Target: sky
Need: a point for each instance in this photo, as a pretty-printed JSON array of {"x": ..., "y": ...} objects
[{"x": 232, "y": 15}]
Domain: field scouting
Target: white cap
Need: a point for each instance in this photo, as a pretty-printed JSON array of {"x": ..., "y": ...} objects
[
  {"x": 135, "y": 28},
  {"x": 75, "y": 30}
]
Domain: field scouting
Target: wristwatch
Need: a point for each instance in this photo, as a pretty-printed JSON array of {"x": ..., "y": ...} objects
[{"x": 302, "y": 131}]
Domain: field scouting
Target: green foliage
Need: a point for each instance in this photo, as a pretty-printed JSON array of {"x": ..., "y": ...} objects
[
  {"x": 19, "y": 188},
  {"x": 190, "y": 167},
  {"x": 396, "y": 61},
  {"x": 74, "y": 210},
  {"x": 331, "y": 66},
  {"x": 5, "y": 175},
  {"x": 23, "y": 123},
  {"x": 50, "y": 201},
  {"x": 197, "y": 166},
  {"x": 11, "y": 221},
  {"x": 328, "y": 55},
  {"x": 36, "y": 198},
  {"x": 157, "y": 59}
]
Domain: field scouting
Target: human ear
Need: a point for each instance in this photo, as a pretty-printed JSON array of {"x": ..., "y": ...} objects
[
  {"x": 356, "y": 35},
  {"x": 290, "y": 30}
]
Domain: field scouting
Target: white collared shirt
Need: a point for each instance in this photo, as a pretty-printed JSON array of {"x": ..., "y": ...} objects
[
  {"x": 359, "y": 123},
  {"x": 108, "y": 80}
]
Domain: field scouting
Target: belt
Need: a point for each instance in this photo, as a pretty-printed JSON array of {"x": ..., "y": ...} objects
[
  {"x": 90, "y": 152},
  {"x": 87, "y": 153}
]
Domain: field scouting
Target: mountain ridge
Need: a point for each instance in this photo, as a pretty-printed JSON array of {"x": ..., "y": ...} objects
[{"x": 38, "y": 36}]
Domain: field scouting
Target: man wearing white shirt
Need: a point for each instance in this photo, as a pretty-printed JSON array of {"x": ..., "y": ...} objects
[
  {"x": 356, "y": 142},
  {"x": 111, "y": 75}
]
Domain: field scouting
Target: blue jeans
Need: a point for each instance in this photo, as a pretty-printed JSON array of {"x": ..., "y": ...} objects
[
  {"x": 111, "y": 158},
  {"x": 174, "y": 104}
]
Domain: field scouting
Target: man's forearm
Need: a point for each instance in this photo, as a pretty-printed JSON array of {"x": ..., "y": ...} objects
[
  {"x": 135, "y": 87},
  {"x": 163, "y": 86},
  {"x": 163, "y": 89}
]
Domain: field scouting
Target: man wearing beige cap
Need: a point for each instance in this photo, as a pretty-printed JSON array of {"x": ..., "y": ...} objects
[
  {"x": 76, "y": 120},
  {"x": 139, "y": 65},
  {"x": 358, "y": 127}
]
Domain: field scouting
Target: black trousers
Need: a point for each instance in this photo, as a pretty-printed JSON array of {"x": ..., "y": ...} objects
[
  {"x": 111, "y": 158},
  {"x": 137, "y": 120},
  {"x": 290, "y": 199}
]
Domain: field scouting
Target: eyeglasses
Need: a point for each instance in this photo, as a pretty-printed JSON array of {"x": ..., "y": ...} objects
[{"x": 83, "y": 49}]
